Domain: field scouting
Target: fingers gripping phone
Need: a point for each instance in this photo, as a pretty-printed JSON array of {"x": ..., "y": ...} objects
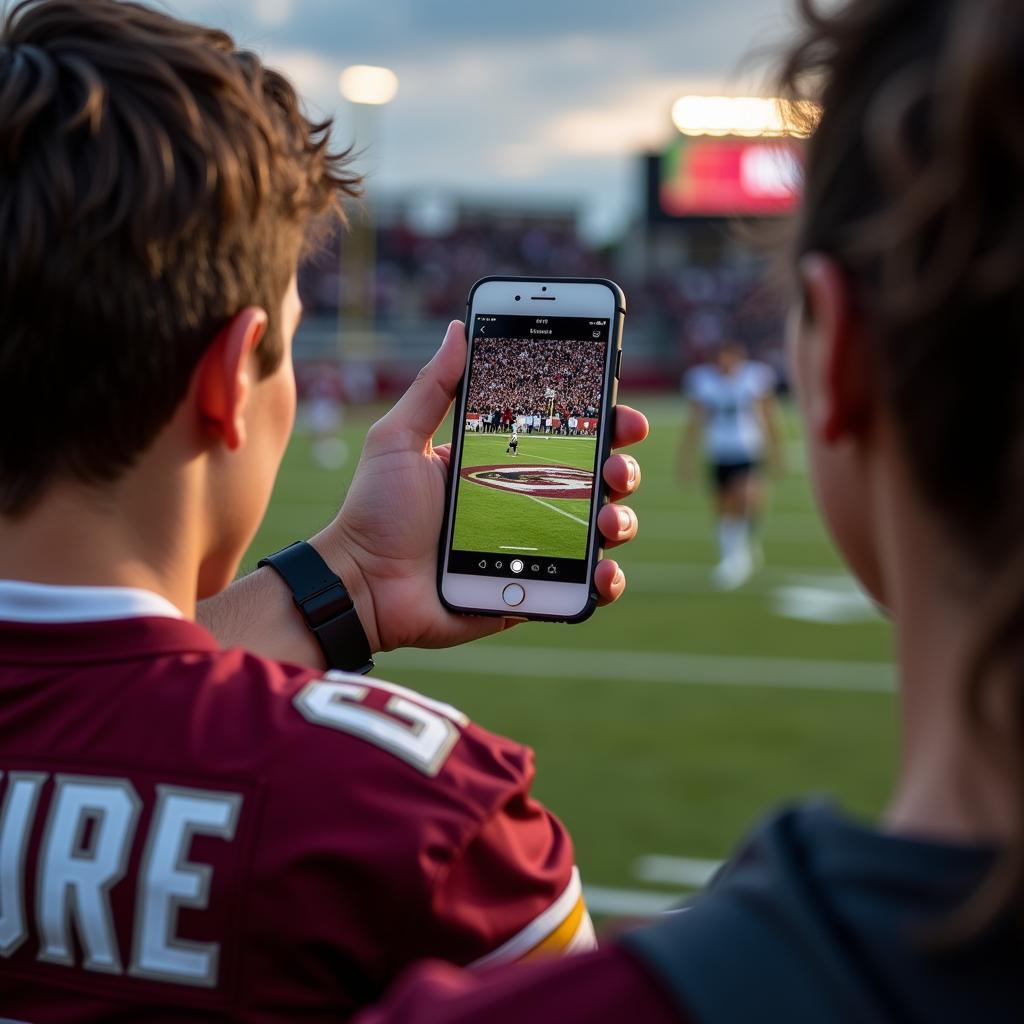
[{"x": 533, "y": 428}]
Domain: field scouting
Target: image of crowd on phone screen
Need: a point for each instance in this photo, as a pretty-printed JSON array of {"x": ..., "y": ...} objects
[
  {"x": 531, "y": 430},
  {"x": 535, "y": 386}
]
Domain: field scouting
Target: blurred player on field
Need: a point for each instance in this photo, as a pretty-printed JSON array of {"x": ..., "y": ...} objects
[
  {"x": 321, "y": 413},
  {"x": 513, "y": 442},
  {"x": 732, "y": 404}
]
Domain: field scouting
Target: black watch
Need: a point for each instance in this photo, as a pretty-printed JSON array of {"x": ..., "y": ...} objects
[{"x": 324, "y": 604}]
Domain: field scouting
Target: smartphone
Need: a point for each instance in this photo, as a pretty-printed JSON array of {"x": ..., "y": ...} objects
[{"x": 533, "y": 428}]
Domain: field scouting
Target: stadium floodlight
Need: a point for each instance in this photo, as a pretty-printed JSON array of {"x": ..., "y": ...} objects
[
  {"x": 369, "y": 85},
  {"x": 368, "y": 88},
  {"x": 744, "y": 116}
]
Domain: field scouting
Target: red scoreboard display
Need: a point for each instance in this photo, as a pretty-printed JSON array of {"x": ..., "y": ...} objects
[{"x": 708, "y": 176}]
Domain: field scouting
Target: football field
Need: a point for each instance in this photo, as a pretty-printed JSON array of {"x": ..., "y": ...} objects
[
  {"x": 522, "y": 502},
  {"x": 666, "y": 724}
]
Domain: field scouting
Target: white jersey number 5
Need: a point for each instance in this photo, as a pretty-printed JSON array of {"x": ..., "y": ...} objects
[{"x": 419, "y": 730}]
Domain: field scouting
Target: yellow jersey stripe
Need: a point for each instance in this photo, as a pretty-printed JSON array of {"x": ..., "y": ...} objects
[
  {"x": 561, "y": 937},
  {"x": 546, "y": 925}
]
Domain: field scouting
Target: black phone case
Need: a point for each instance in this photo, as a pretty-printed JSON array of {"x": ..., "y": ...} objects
[{"x": 613, "y": 370}]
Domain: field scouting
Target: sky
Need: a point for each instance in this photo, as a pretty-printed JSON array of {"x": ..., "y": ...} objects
[{"x": 533, "y": 101}]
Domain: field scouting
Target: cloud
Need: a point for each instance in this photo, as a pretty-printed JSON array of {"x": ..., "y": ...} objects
[
  {"x": 633, "y": 121},
  {"x": 273, "y": 13},
  {"x": 532, "y": 99},
  {"x": 314, "y": 74}
]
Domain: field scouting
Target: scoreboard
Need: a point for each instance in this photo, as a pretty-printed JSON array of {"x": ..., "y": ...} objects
[{"x": 724, "y": 177}]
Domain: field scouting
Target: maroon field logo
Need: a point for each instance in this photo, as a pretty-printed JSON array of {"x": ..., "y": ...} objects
[{"x": 535, "y": 481}]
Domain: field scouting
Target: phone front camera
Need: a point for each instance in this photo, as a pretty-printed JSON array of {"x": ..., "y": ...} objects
[{"x": 517, "y": 298}]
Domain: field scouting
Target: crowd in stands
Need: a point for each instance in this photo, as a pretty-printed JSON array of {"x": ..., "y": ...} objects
[
  {"x": 676, "y": 316},
  {"x": 427, "y": 276},
  {"x": 536, "y": 378}
]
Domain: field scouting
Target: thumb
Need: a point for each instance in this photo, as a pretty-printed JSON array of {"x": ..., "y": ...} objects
[{"x": 428, "y": 398}]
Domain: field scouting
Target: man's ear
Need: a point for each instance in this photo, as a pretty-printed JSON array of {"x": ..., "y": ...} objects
[
  {"x": 836, "y": 352},
  {"x": 223, "y": 377}
]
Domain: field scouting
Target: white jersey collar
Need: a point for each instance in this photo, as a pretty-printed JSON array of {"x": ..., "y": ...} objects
[{"x": 45, "y": 602}]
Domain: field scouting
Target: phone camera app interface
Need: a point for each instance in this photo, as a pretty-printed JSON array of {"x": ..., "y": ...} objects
[{"x": 525, "y": 481}]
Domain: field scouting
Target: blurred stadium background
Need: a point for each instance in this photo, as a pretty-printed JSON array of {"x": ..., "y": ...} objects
[{"x": 664, "y": 726}]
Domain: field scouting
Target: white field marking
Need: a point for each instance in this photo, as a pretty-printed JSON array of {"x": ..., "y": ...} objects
[
  {"x": 515, "y": 547},
  {"x": 829, "y": 604},
  {"x": 629, "y": 902},
  {"x": 555, "y": 508},
  {"x": 560, "y": 511},
  {"x": 830, "y": 597},
  {"x": 550, "y": 437},
  {"x": 559, "y": 663},
  {"x": 686, "y": 871}
]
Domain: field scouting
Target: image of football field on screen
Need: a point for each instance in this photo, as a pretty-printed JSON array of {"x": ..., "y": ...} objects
[
  {"x": 535, "y": 502},
  {"x": 532, "y": 418}
]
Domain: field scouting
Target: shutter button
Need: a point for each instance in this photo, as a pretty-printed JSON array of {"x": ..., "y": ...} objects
[{"x": 513, "y": 595}]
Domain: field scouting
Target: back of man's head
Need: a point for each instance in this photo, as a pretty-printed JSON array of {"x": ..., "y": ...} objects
[{"x": 153, "y": 182}]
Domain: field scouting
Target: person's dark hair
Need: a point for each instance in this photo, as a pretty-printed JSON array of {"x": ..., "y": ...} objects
[
  {"x": 154, "y": 181},
  {"x": 914, "y": 185}
]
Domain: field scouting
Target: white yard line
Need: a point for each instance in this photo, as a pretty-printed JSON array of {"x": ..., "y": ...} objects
[
  {"x": 686, "y": 871},
  {"x": 829, "y": 604},
  {"x": 558, "y": 663},
  {"x": 629, "y": 902},
  {"x": 555, "y": 508},
  {"x": 553, "y": 437}
]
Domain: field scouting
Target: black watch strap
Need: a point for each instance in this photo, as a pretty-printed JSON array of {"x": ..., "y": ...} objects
[{"x": 324, "y": 604}]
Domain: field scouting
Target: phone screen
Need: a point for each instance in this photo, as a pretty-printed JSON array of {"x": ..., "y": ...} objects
[{"x": 524, "y": 486}]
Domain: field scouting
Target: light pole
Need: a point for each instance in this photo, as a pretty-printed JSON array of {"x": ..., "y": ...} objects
[{"x": 367, "y": 88}]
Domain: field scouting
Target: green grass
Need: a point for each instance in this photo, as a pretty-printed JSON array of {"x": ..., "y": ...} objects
[
  {"x": 635, "y": 759},
  {"x": 488, "y": 519}
]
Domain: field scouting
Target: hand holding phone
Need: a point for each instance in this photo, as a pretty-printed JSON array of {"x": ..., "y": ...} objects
[
  {"x": 383, "y": 542},
  {"x": 532, "y": 431}
]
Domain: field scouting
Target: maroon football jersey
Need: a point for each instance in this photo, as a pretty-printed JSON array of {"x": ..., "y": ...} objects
[
  {"x": 604, "y": 987},
  {"x": 193, "y": 833}
]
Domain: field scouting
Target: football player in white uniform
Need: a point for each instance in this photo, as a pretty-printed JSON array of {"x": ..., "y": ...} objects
[
  {"x": 513, "y": 443},
  {"x": 732, "y": 405}
]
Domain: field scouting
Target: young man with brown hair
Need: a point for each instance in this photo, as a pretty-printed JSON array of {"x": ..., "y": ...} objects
[{"x": 192, "y": 825}]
